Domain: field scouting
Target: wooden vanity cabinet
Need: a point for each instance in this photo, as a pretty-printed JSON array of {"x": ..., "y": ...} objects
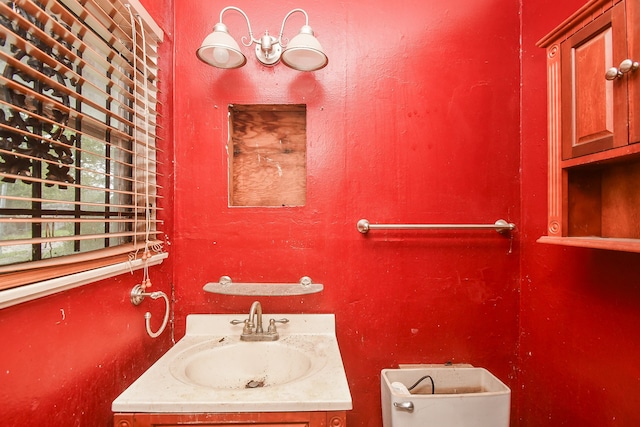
[
  {"x": 246, "y": 419},
  {"x": 594, "y": 127}
]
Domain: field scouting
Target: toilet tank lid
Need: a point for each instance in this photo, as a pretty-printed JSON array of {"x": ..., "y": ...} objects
[{"x": 433, "y": 365}]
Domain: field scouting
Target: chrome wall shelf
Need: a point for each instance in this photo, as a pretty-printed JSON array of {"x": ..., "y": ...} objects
[{"x": 226, "y": 286}]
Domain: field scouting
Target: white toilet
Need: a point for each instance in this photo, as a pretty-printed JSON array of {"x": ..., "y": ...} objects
[{"x": 447, "y": 396}]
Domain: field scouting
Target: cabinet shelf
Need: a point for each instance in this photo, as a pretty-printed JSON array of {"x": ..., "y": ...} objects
[
  {"x": 616, "y": 244},
  {"x": 615, "y": 155}
]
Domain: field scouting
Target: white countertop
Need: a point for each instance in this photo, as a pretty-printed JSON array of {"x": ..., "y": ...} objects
[{"x": 164, "y": 388}]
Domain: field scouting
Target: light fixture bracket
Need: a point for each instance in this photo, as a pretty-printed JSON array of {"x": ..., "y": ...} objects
[{"x": 271, "y": 55}]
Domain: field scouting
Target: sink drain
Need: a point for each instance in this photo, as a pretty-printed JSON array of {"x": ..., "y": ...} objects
[{"x": 254, "y": 384}]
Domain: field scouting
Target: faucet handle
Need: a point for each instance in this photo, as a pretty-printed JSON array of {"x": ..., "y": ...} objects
[
  {"x": 272, "y": 325},
  {"x": 248, "y": 327}
]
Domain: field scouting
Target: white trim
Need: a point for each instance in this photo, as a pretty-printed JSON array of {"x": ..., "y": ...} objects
[
  {"x": 13, "y": 296},
  {"x": 140, "y": 10}
]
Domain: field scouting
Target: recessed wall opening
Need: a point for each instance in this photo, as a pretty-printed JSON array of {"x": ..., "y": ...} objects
[{"x": 267, "y": 155}]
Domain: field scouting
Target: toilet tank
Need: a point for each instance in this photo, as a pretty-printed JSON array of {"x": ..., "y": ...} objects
[{"x": 464, "y": 396}]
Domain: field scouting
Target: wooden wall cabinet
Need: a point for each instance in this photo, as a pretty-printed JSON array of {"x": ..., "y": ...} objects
[
  {"x": 594, "y": 127},
  {"x": 247, "y": 419}
]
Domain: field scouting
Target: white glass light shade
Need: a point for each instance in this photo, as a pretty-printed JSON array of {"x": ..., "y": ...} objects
[
  {"x": 220, "y": 49},
  {"x": 304, "y": 53}
]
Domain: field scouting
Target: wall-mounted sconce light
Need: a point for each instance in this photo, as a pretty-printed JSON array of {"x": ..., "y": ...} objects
[{"x": 302, "y": 53}]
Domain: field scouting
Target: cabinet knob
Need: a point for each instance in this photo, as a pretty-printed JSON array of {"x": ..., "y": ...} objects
[{"x": 625, "y": 67}]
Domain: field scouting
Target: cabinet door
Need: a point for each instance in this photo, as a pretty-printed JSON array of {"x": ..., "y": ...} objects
[
  {"x": 237, "y": 419},
  {"x": 633, "y": 31},
  {"x": 594, "y": 110}
]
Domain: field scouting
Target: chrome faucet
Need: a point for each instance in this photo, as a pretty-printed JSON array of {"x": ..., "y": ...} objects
[
  {"x": 253, "y": 330},
  {"x": 255, "y": 312}
]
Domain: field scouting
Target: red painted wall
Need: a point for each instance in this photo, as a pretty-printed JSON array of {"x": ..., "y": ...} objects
[
  {"x": 65, "y": 357},
  {"x": 579, "y": 307},
  {"x": 415, "y": 119}
]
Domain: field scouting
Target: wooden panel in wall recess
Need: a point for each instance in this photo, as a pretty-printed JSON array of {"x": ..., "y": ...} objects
[{"x": 267, "y": 155}]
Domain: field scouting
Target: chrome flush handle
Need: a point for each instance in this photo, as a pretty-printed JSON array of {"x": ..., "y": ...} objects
[{"x": 406, "y": 406}]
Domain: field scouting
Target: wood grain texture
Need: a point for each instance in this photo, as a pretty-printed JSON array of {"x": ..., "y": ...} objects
[
  {"x": 593, "y": 158},
  {"x": 267, "y": 155},
  {"x": 237, "y": 419}
]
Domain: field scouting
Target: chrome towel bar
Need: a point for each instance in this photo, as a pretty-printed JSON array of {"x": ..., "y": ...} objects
[{"x": 501, "y": 226}]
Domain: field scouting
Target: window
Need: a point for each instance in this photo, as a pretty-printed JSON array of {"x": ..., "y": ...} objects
[{"x": 78, "y": 161}]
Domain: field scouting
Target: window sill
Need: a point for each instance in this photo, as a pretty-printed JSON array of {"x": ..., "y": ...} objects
[{"x": 33, "y": 291}]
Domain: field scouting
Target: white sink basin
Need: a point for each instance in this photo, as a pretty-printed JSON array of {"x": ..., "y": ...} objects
[
  {"x": 238, "y": 365},
  {"x": 211, "y": 370}
]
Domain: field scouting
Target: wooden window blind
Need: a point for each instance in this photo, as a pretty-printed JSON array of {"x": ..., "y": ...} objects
[{"x": 78, "y": 144}]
